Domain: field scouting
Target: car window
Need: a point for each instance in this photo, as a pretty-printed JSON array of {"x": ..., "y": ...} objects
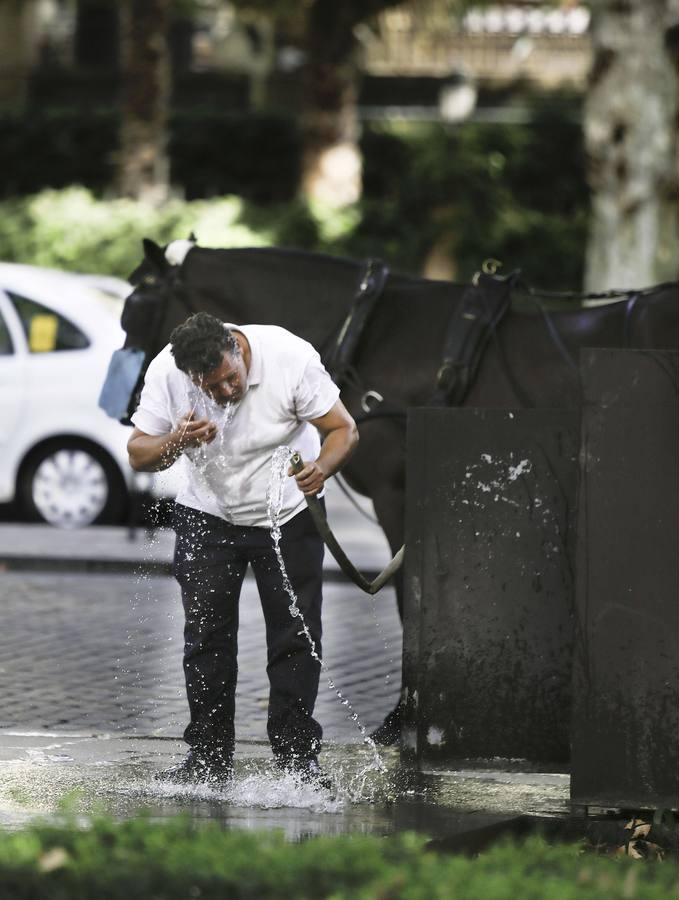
[
  {"x": 6, "y": 348},
  {"x": 46, "y": 330}
]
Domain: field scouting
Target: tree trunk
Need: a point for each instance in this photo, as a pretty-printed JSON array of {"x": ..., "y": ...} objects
[
  {"x": 631, "y": 133},
  {"x": 144, "y": 164},
  {"x": 18, "y": 51},
  {"x": 331, "y": 160}
]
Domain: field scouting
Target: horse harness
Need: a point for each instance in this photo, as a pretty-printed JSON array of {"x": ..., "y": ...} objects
[
  {"x": 484, "y": 303},
  {"x": 473, "y": 322}
]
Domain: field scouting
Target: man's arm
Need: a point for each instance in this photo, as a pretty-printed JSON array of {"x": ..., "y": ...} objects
[
  {"x": 340, "y": 438},
  {"x": 153, "y": 453}
]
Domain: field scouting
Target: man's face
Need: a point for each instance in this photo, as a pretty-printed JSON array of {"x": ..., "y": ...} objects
[{"x": 228, "y": 382}]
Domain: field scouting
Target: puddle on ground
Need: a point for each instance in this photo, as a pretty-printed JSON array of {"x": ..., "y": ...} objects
[{"x": 115, "y": 777}]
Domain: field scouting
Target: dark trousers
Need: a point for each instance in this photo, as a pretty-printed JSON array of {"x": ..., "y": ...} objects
[{"x": 210, "y": 560}]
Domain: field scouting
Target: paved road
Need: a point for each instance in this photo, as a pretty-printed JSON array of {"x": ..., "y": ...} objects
[{"x": 103, "y": 653}]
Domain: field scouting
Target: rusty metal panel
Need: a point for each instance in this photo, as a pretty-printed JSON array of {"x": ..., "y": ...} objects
[
  {"x": 626, "y": 680},
  {"x": 489, "y": 583}
]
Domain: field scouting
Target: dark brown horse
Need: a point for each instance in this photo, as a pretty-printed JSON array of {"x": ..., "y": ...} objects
[{"x": 530, "y": 358}]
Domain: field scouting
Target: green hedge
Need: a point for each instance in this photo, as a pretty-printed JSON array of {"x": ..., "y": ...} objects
[
  {"x": 141, "y": 859},
  {"x": 71, "y": 229}
]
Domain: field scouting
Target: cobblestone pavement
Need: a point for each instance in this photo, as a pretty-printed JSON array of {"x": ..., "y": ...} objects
[{"x": 94, "y": 652}]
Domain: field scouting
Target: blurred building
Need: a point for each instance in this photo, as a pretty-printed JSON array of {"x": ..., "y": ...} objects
[
  {"x": 530, "y": 40},
  {"x": 418, "y": 60},
  {"x": 420, "y": 63}
]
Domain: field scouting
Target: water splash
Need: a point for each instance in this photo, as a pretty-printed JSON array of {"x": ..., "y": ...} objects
[
  {"x": 210, "y": 461},
  {"x": 259, "y": 784},
  {"x": 251, "y": 788},
  {"x": 279, "y": 465}
]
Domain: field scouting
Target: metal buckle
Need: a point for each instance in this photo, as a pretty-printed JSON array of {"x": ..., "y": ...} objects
[{"x": 371, "y": 395}]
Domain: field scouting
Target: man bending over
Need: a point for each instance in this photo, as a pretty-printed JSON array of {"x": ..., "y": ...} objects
[{"x": 224, "y": 397}]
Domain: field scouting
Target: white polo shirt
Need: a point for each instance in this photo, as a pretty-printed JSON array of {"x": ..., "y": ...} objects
[{"x": 287, "y": 385}]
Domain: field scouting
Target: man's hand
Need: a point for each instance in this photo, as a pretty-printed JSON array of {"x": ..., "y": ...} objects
[
  {"x": 153, "y": 453},
  {"x": 310, "y": 479},
  {"x": 192, "y": 431},
  {"x": 340, "y": 438}
]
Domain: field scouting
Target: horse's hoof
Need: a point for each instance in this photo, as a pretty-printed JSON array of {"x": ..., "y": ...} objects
[{"x": 389, "y": 732}]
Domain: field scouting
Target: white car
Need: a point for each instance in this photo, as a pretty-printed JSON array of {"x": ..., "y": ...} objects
[{"x": 62, "y": 459}]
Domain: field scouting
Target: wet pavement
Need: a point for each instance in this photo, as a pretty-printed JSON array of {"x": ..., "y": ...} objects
[
  {"x": 45, "y": 774},
  {"x": 93, "y": 700}
]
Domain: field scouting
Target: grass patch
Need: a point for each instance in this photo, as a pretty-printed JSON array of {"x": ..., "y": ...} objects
[{"x": 176, "y": 859}]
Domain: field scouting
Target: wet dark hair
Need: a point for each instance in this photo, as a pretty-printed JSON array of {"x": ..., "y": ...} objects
[{"x": 199, "y": 343}]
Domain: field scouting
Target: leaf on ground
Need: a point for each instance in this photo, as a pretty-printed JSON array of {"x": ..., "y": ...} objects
[
  {"x": 640, "y": 849},
  {"x": 632, "y": 850},
  {"x": 655, "y": 851}
]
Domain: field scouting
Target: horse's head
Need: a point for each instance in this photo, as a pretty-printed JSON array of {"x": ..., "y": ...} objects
[
  {"x": 154, "y": 265},
  {"x": 160, "y": 262},
  {"x": 156, "y": 281}
]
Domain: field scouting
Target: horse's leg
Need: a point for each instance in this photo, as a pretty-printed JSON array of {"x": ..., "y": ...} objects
[{"x": 389, "y": 506}]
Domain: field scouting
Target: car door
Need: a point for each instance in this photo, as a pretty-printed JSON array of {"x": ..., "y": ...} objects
[
  {"x": 13, "y": 377},
  {"x": 56, "y": 362}
]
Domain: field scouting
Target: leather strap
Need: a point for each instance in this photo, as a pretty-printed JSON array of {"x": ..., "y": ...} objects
[
  {"x": 483, "y": 304},
  {"x": 341, "y": 354}
]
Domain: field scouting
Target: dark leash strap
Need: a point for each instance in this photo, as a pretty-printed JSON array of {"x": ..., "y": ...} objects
[{"x": 331, "y": 542}]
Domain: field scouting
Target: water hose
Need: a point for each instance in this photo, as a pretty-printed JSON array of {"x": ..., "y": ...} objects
[{"x": 331, "y": 542}]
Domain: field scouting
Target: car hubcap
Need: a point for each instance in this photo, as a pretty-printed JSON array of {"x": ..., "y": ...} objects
[{"x": 70, "y": 488}]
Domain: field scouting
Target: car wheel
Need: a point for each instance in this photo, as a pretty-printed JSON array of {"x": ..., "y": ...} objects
[{"x": 72, "y": 484}]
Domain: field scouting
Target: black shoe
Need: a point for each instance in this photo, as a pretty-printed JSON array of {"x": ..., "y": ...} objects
[
  {"x": 389, "y": 732},
  {"x": 308, "y": 771},
  {"x": 199, "y": 768}
]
